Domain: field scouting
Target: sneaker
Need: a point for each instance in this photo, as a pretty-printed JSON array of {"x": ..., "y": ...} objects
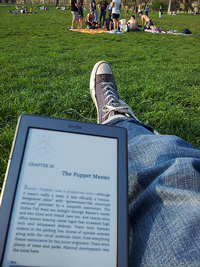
[
  {"x": 103, "y": 91},
  {"x": 113, "y": 31}
]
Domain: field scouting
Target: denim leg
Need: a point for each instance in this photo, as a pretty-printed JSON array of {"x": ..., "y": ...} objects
[
  {"x": 100, "y": 16},
  {"x": 164, "y": 199},
  {"x": 104, "y": 16},
  {"x": 95, "y": 15}
]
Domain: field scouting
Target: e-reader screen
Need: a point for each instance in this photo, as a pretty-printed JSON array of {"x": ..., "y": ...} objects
[{"x": 65, "y": 210}]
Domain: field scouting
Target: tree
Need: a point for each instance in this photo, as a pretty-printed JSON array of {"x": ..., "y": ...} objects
[
  {"x": 184, "y": 5},
  {"x": 169, "y": 6},
  {"x": 187, "y": 4},
  {"x": 175, "y": 5},
  {"x": 198, "y": 5},
  {"x": 157, "y": 3}
]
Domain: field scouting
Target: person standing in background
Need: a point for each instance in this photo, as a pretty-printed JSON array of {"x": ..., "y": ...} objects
[
  {"x": 93, "y": 6},
  {"x": 139, "y": 9},
  {"x": 136, "y": 10},
  {"x": 147, "y": 10},
  {"x": 160, "y": 12},
  {"x": 80, "y": 12},
  {"x": 75, "y": 15},
  {"x": 103, "y": 6},
  {"x": 126, "y": 10},
  {"x": 116, "y": 6}
]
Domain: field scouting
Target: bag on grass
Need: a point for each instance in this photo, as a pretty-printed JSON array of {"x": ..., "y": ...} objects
[
  {"x": 186, "y": 31},
  {"x": 123, "y": 28}
]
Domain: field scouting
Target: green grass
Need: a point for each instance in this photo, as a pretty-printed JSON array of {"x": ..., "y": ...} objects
[{"x": 45, "y": 69}]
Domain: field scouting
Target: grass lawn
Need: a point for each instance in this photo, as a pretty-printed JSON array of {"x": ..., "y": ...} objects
[{"x": 45, "y": 69}]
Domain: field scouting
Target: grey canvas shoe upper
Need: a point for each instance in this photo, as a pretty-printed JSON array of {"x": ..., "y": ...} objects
[
  {"x": 103, "y": 90},
  {"x": 104, "y": 94}
]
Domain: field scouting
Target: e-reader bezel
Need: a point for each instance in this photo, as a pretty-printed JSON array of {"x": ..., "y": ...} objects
[{"x": 26, "y": 122}]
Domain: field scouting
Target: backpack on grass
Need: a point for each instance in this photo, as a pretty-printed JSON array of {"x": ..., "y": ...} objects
[{"x": 186, "y": 31}]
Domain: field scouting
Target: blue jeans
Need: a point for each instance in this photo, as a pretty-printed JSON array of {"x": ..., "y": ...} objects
[
  {"x": 102, "y": 14},
  {"x": 95, "y": 15},
  {"x": 164, "y": 199}
]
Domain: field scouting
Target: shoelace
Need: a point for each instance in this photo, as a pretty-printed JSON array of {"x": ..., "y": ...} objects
[{"x": 113, "y": 101}]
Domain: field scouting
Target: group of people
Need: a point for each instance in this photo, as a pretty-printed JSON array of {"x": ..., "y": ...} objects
[
  {"x": 132, "y": 24},
  {"x": 112, "y": 22},
  {"x": 25, "y": 9},
  {"x": 91, "y": 20},
  {"x": 63, "y": 8},
  {"x": 173, "y": 13},
  {"x": 43, "y": 8}
]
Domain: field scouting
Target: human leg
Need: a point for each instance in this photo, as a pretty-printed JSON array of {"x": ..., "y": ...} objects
[
  {"x": 117, "y": 24},
  {"x": 89, "y": 24},
  {"x": 104, "y": 16},
  {"x": 115, "y": 18},
  {"x": 95, "y": 15},
  {"x": 149, "y": 23},
  {"x": 81, "y": 22},
  {"x": 114, "y": 24},
  {"x": 80, "y": 11},
  {"x": 100, "y": 16},
  {"x": 75, "y": 17},
  {"x": 164, "y": 183},
  {"x": 78, "y": 25},
  {"x": 73, "y": 21}
]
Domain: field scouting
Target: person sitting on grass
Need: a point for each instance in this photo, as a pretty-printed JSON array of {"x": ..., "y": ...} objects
[
  {"x": 133, "y": 24},
  {"x": 146, "y": 21},
  {"x": 123, "y": 21},
  {"x": 123, "y": 25},
  {"x": 90, "y": 20},
  {"x": 108, "y": 23}
]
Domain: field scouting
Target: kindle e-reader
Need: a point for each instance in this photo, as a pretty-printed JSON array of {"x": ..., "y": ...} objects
[{"x": 64, "y": 198}]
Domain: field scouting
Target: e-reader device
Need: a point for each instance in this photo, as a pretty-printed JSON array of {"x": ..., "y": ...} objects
[{"x": 64, "y": 198}]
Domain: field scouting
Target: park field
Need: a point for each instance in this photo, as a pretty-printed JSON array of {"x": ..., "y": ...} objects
[{"x": 45, "y": 70}]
